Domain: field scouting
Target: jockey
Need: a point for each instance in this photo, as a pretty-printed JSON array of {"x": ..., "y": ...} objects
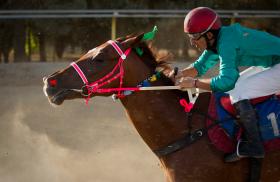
[{"x": 233, "y": 46}]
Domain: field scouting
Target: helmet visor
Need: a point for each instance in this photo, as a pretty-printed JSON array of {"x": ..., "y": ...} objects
[{"x": 195, "y": 36}]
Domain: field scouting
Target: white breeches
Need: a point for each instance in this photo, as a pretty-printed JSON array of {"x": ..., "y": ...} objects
[{"x": 256, "y": 82}]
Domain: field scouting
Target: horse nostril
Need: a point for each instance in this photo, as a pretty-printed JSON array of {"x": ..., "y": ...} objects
[
  {"x": 53, "y": 83},
  {"x": 50, "y": 82}
]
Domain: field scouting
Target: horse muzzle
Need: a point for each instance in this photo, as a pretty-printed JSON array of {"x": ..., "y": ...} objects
[
  {"x": 54, "y": 95},
  {"x": 57, "y": 95}
]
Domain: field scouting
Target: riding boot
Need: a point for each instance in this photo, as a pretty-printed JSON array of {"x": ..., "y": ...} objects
[{"x": 252, "y": 145}]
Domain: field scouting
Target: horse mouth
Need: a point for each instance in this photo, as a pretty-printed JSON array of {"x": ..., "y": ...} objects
[
  {"x": 54, "y": 96},
  {"x": 57, "y": 97}
]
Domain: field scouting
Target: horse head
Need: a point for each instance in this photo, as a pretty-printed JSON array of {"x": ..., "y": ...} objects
[{"x": 113, "y": 64}]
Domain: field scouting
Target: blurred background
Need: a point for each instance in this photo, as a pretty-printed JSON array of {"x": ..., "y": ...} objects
[
  {"x": 60, "y": 30},
  {"x": 75, "y": 142}
]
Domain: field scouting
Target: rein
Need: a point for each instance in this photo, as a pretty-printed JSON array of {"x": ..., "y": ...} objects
[{"x": 95, "y": 87}]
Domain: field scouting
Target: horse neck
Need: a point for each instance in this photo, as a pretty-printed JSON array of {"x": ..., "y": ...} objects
[{"x": 157, "y": 115}]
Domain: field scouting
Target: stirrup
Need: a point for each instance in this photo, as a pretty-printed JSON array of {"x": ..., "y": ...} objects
[
  {"x": 237, "y": 155},
  {"x": 233, "y": 157}
]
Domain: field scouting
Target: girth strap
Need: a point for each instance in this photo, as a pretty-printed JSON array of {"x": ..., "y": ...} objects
[
  {"x": 190, "y": 138},
  {"x": 181, "y": 143}
]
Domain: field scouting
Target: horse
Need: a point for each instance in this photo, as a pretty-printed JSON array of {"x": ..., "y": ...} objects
[{"x": 119, "y": 67}]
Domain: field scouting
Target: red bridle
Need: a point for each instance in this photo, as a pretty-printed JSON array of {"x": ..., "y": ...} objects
[{"x": 95, "y": 87}]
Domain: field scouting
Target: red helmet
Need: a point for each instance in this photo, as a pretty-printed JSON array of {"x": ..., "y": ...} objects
[{"x": 200, "y": 20}]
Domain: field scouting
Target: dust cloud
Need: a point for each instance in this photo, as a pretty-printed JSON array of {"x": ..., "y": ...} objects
[{"x": 72, "y": 143}]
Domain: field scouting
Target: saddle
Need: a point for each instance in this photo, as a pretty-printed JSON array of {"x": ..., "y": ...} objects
[
  {"x": 226, "y": 104},
  {"x": 225, "y": 135}
]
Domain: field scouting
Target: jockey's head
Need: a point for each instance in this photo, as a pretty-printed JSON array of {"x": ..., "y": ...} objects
[{"x": 202, "y": 25}]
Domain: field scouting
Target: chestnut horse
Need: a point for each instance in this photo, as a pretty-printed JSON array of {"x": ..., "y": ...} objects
[{"x": 156, "y": 114}]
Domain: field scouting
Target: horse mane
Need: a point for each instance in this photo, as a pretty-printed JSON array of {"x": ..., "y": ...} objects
[
  {"x": 150, "y": 58},
  {"x": 153, "y": 61}
]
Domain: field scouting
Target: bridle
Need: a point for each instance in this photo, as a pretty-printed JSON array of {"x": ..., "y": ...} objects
[{"x": 95, "y": 87}]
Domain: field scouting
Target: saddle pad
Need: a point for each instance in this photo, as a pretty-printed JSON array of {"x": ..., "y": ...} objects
[
  {"x": 225, "y": 135},
  {"x": 217, "y": 135},
  {"x": 269, "y": 118},
  {"x": 229, "y": 125}
]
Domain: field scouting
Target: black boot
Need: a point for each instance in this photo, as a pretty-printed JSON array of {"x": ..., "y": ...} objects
[{"x": 252, "y": 145}]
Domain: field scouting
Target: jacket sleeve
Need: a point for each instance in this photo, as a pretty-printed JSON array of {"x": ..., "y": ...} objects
[
  {"x": 207, "y": 60},
  {"x": 229, "y": 72}
]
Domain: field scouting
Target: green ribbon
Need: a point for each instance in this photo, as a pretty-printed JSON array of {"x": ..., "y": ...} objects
[
  {"x": 147, "y": 36},
  {"x": 150, "y": 35}
]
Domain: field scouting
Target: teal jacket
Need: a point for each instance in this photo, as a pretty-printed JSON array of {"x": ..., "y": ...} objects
[{"x": 238, "y": 46}]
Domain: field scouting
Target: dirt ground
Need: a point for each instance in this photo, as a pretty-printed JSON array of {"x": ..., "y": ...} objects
[{"x": 73, "y": 142}]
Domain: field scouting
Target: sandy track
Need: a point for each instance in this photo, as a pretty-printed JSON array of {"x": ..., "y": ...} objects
[{"x": 72, "y": 143}]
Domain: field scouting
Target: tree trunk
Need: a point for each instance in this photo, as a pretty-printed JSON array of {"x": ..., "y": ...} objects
[
  {"x": 42, "y": 47},
  {"x": 89, "y": 4},
  {"x": 29, "y": 47},
  {"x": 19, "y": 41}
]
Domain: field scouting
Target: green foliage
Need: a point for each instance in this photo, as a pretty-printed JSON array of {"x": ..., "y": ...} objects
[{"x": 31, "y": 43}]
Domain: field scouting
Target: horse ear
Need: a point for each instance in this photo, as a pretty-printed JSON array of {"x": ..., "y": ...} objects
[{"x": 133, "y": 41}]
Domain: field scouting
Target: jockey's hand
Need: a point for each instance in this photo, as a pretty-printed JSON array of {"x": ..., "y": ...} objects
[
  {"x": 175, "y": 75},
  {"x": 185, "y": 83}
]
